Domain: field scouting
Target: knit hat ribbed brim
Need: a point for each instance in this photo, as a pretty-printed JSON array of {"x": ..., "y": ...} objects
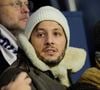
[{"x": 47, "y": 13}]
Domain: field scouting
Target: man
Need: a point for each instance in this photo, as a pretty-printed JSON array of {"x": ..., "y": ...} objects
[
  {"x": 46, "y": 44},
  {"x": 13, "y": 16}
]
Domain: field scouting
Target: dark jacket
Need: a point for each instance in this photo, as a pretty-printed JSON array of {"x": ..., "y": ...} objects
[
  {"x": 40, "y": 80},
  {"x": 82, "y": 86},
  {"x": 3, "y": 63}
]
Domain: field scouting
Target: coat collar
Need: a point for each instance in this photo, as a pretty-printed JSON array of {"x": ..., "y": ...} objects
[{"x": 74, "y": 59}]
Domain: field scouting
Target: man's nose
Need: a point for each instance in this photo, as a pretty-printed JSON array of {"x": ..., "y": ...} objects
[
  {"x": 25, "y": 9},
  {"x": 49, "y": 39}
]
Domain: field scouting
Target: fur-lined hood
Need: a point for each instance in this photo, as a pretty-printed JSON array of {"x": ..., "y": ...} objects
[{"x": 74, "y": 59}]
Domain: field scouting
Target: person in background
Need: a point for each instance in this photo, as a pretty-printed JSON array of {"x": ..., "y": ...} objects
[
  {"x": 13, "y": 18},
  {"x": 92, "y": 75},
  {"x": 22, "y": 82},
  {"x": 47, "y": 58}
]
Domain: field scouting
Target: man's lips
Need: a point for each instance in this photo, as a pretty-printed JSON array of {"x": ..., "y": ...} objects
[
  {"x": 50, "y": 50},
  {"x": 24, "y": 19}
]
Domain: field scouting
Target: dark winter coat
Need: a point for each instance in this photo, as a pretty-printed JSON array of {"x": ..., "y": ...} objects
[
  {"x": 3, "y": 63},
  {"x": 40, "y": 80}
]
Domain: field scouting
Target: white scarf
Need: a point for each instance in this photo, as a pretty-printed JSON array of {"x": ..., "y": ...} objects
[{"x": 8, "y": 45}]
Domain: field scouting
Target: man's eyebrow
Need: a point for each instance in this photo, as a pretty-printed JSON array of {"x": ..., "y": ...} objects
[
  {"x": 21, "y": 1},
  {"x": 40, "y": 28}
]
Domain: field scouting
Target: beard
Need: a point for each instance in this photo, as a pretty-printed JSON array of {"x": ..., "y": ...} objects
[
  {"x": 13, "y": 27},
  {"x": 52, "y": 63}
]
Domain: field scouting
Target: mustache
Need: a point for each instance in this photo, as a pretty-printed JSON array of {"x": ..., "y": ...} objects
[{"x": 50, "y": 48}]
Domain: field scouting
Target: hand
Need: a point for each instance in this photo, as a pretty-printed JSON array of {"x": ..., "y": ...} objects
[{"x": 22, "y": 82}]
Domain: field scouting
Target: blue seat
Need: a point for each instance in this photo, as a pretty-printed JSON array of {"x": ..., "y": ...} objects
[{"x": 78, "y": 38}]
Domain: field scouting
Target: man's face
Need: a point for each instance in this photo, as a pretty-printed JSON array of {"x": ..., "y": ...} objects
[
  {"x": 49, "y": 42},
  {"x": 12, "y": 15}
]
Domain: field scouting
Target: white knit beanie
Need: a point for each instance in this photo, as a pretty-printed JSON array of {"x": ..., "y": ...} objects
[{"x": 47, "y": 13}]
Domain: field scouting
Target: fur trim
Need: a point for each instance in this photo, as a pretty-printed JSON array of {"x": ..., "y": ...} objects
[
  {"x": 74, "y": 59},
  {"x": 30, "y": 52}
]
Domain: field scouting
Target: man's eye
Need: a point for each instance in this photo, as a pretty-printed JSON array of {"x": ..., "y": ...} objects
[
  {"x": 57, "y": 34},
  {"x": 18, "y": 3},
  {"x": 40, "y": 35},
  {"x": 27, "y": 4}
]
